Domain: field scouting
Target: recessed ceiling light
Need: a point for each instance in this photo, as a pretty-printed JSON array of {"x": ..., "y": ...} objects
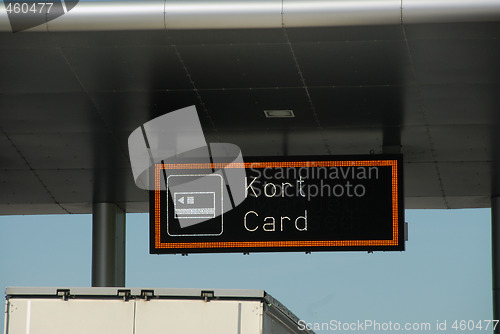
[{"x": 279, "y": 113}]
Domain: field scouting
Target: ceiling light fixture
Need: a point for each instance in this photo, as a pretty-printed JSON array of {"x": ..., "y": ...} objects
[{"x": 279, "y": 113}]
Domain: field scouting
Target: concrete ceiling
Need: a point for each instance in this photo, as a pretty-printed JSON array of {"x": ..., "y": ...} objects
[{"x": 69, "y": 100}]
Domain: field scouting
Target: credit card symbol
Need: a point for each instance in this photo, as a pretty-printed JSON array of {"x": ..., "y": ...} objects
[{"x": 194, "y": 205}]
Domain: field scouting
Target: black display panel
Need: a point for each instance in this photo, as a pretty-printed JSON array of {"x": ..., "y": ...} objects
[{"x": 348, "y": 203}]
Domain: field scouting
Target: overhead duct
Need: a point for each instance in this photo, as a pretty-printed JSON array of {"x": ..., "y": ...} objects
[
  {"x": 228, "y": 14},
  {"x": 222, "y": 14},
  {"x": 446, "y": 11},
  {"x": 325, "y": 13},
  {"x": 112, "y": 15}
]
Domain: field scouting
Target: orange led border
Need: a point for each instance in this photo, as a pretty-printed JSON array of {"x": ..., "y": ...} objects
[{"x": 270, "y": 244}]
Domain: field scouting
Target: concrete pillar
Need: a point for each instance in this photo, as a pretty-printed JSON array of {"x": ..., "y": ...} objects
[{"x": 108, "y": 245}]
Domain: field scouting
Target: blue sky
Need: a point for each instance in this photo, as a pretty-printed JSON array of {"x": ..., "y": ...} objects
[{"x": 445, "y": 273}]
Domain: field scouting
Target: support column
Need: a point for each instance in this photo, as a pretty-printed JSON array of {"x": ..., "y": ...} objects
[
  {"x": 108, "y": 245},
  {"x": 495, "y": 257}
]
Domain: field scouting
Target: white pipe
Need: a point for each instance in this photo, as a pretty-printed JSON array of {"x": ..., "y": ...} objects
[
  {"x": 182, "y": 14},
  {"x": 443, "y": 11},
  {"x": 325, "y": 13},
  {"x": 229, "y": 14},
  {"x": 122, "y": 15}
]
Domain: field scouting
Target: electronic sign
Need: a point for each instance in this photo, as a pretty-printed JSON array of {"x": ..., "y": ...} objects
[{"x": 346, "y": 203}]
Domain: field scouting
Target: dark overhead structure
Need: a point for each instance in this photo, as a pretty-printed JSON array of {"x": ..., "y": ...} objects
[
  {"x": 423, "y": 75},
  {"x": 413, "y": 76}
]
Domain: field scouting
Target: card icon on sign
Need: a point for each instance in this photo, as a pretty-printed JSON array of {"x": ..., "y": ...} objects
[{"x": 193, "y": 205}]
